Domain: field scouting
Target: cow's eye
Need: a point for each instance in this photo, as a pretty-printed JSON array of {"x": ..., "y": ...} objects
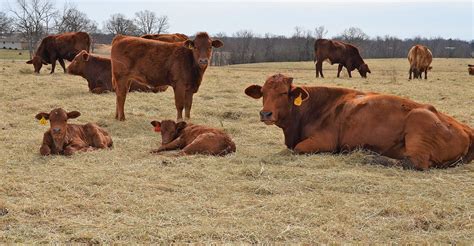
[{"x": 284, "y": 93}]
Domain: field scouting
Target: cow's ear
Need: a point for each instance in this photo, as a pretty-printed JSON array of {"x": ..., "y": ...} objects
[
  {"x": 289, "y": 80},
  {"x": 217, "y": 43},
  {"x": 41, "y": 115},
  {"x": 299, "y": 91},
  {"x": 155, "y": 123},
  {"x": 180, "y": 126},
  {"x": 254, "y": 91},
  {"x": 189, "y": 44},
  {"x": 30, "y": 61},
  {"x": 85, "y": 56},
  {"x": 73, "y": 114}
]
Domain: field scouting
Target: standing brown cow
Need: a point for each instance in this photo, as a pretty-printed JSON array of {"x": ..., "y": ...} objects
[
  {"x": 420, "y": 58},
  {"x": 59, "y": 47},
  {"x": 346, "y": 55},
  {"x": 98, "y": 73},
  {"x": 159, "y": 63},
  {"x": 470, "y": 69},
  {"x": 170, "y": 38}
]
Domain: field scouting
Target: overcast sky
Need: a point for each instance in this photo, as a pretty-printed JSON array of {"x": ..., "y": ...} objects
[{"x": 404, "y": 19}]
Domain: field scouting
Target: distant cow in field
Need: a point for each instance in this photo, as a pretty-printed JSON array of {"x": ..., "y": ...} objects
[
  {"x": 420, "y": 58},
  {"x": 97, "y": 71},
  {"x": 65, "y": 139},
  {"x": 470, "y": 69},
  {"x": 192, "y": 139},
  {"x": 346, "y": 55},
  {"x": 58, "y": 47},
  {"x": 159, "y": 63},
  {"x": 170, "y": 38},
  {"x": 329, "y": 119}
]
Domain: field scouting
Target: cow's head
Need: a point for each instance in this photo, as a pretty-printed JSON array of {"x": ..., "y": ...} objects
[
  {"x": 279, "y": 96},
  {"x": 363, "y": 70},
  {"x": 58, "y": 124},
  {"x": 37, "y": 62},
  {"x": 78, "y": 64},
  {"x": 202, "y": 48},
  {"x": 170, "y": 130}
]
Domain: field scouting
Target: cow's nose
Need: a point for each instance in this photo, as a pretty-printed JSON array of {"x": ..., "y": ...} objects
[
  {"x": 265, "y": 115},
  {"x": 203, "y": 61},
  {"x": 56, "y": 130}
]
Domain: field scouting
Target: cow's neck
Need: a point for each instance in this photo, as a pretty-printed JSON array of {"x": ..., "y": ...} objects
[{"x": 197, "y": 74}]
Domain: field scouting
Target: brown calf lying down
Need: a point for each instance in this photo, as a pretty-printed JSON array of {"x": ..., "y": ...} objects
[
  {"x": 470, "y": 68},
  {"x": 65, "y": 139},
  {"x": 170, "y": 38},
  {"x": 420, "y": 59},
  {"x": 329, "y": 119},
  {"x": 192, "y": 139},
  {"x": 58, "y": 47},
  {"x": 97, "y": 71}
]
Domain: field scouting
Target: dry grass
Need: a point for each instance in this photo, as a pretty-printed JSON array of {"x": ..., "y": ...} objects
[{"x": 262, "y": 193}]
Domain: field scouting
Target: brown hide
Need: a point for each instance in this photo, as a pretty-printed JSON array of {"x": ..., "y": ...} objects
[{"x": 420, "y": 59}]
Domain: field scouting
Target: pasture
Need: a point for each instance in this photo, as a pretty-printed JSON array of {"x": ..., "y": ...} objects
[{"x": 262, "y": 193}]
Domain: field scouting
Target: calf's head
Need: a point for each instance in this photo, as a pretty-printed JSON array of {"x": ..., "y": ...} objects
[
  {"x": 202, "y": 48},
  {"x": 170, "y": 130},
  {"x": 279, "y": 96},
  {"x": 363, "y": 70},
  {"x": 78, "y": 64},
  {"x": 58, "y": 123},
  {"x": 37, "y": 62}
]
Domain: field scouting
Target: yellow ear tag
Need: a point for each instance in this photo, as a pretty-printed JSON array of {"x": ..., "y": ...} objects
[
  {"x": 298, "y": 100},
  {"x": 43, "y": 121}
]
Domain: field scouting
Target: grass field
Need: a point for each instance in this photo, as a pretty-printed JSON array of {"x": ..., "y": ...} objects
[{"x": 262, "y": 193}]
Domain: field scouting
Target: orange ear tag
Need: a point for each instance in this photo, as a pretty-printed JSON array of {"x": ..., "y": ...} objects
[
  {"x": 298, "y": 100},
  {"x": 157, "y": 128},
  {"x": 43, "y": 121}
]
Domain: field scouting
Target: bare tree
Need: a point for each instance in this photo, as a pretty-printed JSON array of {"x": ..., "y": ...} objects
[
  {"x": 146, "y": 22},
  {"x": 299, "y": 32},
  {"x": 5, "y": 23},
  {"x": 320, "y": 32},
  {"x": 32, "y": 19},
  {"x": 354, "y": 34},
  {"x": 119, "y": 24},
  {"x": 73, "y": 20},
  {"x": 163, "y": 24},
  {"x": 243, "y": 52}
]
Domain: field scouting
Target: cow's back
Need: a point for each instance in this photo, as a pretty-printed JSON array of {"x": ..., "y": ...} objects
[
  {"x": 68, "y": 45},
  {"x": 420, "y": 57}
]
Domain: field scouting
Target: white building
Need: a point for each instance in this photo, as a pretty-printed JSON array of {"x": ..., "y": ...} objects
[{"x": 13, "y": 43}]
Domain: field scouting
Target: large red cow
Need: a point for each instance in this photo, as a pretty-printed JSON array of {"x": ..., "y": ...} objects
[
  {"x": 328, "y": 119},
  {"x": 420, "y": 59},
  {"x": 58, "y": 47},
  {"x": 160, "y": 63}
]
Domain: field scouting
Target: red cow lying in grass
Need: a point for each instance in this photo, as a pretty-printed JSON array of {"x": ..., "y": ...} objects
[
  {"x": 192, "y": 139},
  {"x": 65, "y": 139},
  {"x": 329, "y": 119}
]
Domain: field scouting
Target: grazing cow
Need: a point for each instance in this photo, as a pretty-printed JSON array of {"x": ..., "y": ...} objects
[
  {"x": 65, "y": 139},
  {"x": 192, "y": 139},
  {"x": 159, "y": 63},
  {"x": 470, "y": 69},
  {"x": 346, "y": 55},
  {"x": 329, "y": 119},
  {"x": 97, "y": 71},
  {"x": 59, "y": 47},
  {"x": 170, "y": 38},
  {"x": 420, "y": 58}
]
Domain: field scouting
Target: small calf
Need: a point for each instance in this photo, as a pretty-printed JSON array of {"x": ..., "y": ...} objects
[
  {"x": 192, "y": 139},
  {"x": 65, "y": 139},
  {"x": 470, "y": 68}
]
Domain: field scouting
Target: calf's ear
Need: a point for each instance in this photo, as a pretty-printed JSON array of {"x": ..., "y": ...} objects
[
  {"x": 297, "y": 91},
  {"x": 73, "y": 114},
  {"x": 85, "y": 56},
  {"x": 155, "y": 123},
  {"x": 29, "y": 62},
  {"x": 180, "y": 126},
  {"x": 42, "y": 115},
  {"x": 254, "y": 91},
  {"x": 217, "y": 43},
  {"x": 189, "y": 44}
]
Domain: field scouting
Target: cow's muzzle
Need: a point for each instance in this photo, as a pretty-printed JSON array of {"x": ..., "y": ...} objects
[
  {"x": 266, "y": 117},
  {"x": 203, "y": 61}
]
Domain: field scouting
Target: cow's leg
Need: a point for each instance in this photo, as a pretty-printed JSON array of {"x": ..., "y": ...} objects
[
  {"x": 175, "y": 144},
  {"x": 61, "y": 62},
  {"x": 188, "y": 103},
  {"x": 349, "y": 72},
  {"x": 319, "y": 68},
  {"x": 121, "y": 94},
  {"x": 410, "y": 71},
  {"x": 179, "y": 99},
  {"x": 339, "y": 69},
  {"x": 53, "y": 64},
  {"x": 315, "y": 144},
  {"x": 426, "y": 73},
  {"x": 97, "y": 137}
]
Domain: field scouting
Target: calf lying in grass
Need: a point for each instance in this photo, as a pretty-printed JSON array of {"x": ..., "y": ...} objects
[
  {"x": 192, "y": 139},
  {"x": 65, "y": 139}
]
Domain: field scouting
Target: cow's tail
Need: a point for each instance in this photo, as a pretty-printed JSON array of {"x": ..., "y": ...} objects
[{"x": 470, "y": 152}]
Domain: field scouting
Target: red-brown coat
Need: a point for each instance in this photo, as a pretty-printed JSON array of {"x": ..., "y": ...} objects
[
  {"x": 346, "y": 55},
  {"x": 160, "y": 63},
  {"x": 420, "y": 59},
  {"x": 98, "y": 73},
  {"x": 59, "y": 47},
  {"x": 329, "y": 119},
  {"x": 192, "y": 139},
  {"x": 170, "y": 38},
  {"x": 65, "y": 139}
]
